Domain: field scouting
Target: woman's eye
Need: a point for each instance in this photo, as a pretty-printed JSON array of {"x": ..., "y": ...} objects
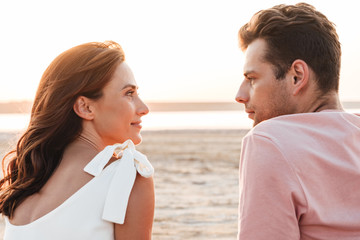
[{"x": 130, "y": 93}]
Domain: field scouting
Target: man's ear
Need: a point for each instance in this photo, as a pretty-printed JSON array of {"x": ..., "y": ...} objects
[
  {"x": 83, "y": 108},
  {"x": 300, "y": 76}
]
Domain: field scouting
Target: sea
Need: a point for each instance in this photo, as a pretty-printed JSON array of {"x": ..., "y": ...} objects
[{"x": 168, "y": 120}]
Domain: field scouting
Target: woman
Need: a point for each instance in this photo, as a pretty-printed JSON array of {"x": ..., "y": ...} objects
[{"x": 75, "y": 173}]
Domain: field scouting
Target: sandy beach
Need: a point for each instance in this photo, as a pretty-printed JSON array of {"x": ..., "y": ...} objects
[{"x": 196, "y": 182}]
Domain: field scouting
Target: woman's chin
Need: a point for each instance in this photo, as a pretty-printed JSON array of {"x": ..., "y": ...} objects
[{"x": 136, "y": 139}]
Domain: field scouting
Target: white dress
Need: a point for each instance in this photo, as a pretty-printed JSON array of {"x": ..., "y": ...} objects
[{"x": 91, "y": 212}]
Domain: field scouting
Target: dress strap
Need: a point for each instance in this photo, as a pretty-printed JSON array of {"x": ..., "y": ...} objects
[{"x": 130, "y": 162}]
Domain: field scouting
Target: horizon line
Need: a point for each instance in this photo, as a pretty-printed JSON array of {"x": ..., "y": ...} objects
[{"x": 26, "y": 105}]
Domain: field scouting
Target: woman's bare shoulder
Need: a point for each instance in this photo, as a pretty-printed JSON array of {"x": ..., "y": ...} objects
[{"x": 140, "y": 211}]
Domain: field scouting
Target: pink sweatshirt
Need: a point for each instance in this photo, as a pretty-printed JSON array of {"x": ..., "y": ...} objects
[{"x": 300, "y": 178}]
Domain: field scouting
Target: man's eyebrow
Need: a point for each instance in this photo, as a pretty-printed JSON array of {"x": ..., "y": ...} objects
[
  {"x": 249, "y": 72},
  {"x": 131, "y": 86}
]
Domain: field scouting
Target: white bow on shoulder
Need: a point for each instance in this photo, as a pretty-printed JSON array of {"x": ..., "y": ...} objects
[{"x": 131, "y": 161}]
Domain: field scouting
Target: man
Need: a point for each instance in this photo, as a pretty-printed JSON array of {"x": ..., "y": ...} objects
[{"x": 300, "y": 164}]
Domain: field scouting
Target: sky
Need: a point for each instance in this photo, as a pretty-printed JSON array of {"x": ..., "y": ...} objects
[{"x": 179, "y": 50}]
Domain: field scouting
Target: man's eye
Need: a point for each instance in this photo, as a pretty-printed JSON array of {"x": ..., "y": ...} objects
[{"x": 250, "y": 79}]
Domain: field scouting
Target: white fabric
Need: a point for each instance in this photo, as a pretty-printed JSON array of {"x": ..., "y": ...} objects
[
  {"x": 123, "y": 180},
  {"x": 91, "y": 212}
]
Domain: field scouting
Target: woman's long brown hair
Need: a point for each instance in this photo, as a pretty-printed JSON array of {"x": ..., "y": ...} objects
[{"x": 83, "y": 70}]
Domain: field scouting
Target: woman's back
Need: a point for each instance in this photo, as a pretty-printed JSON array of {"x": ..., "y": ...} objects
[
  {"x": 79, "y": 216},
  {"x": 67, "y": 179}
]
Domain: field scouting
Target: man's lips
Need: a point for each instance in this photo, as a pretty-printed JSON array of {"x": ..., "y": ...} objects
[{"x": 250, "y": 113}]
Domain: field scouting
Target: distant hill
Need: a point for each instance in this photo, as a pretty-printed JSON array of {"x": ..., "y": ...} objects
[
  {"x": 349, "y": 105},
  {"x": 25, "y": 106},
  {"x": 194, "y": 106},
  {"x": 16, "y": 107}
]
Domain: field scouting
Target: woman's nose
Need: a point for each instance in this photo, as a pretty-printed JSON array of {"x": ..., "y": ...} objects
[{"x": 142, "y": 108}]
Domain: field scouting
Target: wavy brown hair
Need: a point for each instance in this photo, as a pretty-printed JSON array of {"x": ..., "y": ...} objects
[
  {"x": 297, "y": 32},
  {"x": 83, "y": 70}
]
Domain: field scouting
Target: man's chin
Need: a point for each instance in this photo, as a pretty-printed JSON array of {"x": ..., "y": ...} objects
[{"x": 256, "y": 122}]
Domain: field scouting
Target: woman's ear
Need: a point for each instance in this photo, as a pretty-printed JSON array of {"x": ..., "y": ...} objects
[
  {"x": 300, "y": 76},
  {"x": 82, "y": 107}
]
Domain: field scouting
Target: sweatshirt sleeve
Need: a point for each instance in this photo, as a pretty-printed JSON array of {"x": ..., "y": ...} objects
[{"x": 271, "y": 198}]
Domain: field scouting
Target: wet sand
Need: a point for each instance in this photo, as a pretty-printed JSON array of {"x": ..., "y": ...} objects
[{"x": 196, "y": 182}]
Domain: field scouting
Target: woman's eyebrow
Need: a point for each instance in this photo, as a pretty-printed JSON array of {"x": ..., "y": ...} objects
[{"x": 131, "y": 86}]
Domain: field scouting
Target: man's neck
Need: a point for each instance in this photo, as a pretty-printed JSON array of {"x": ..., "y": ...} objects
[{"x": 329, "y": 101}]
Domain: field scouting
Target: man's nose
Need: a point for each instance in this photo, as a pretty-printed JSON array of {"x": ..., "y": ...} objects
[{"x": 242, "y": 95}]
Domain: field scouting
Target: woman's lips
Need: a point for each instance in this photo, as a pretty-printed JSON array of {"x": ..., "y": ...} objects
[{"x": 136, "y": 124}]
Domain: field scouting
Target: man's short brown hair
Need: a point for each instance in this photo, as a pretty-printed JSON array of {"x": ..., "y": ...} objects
[{"x": 297, "y": 32}]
